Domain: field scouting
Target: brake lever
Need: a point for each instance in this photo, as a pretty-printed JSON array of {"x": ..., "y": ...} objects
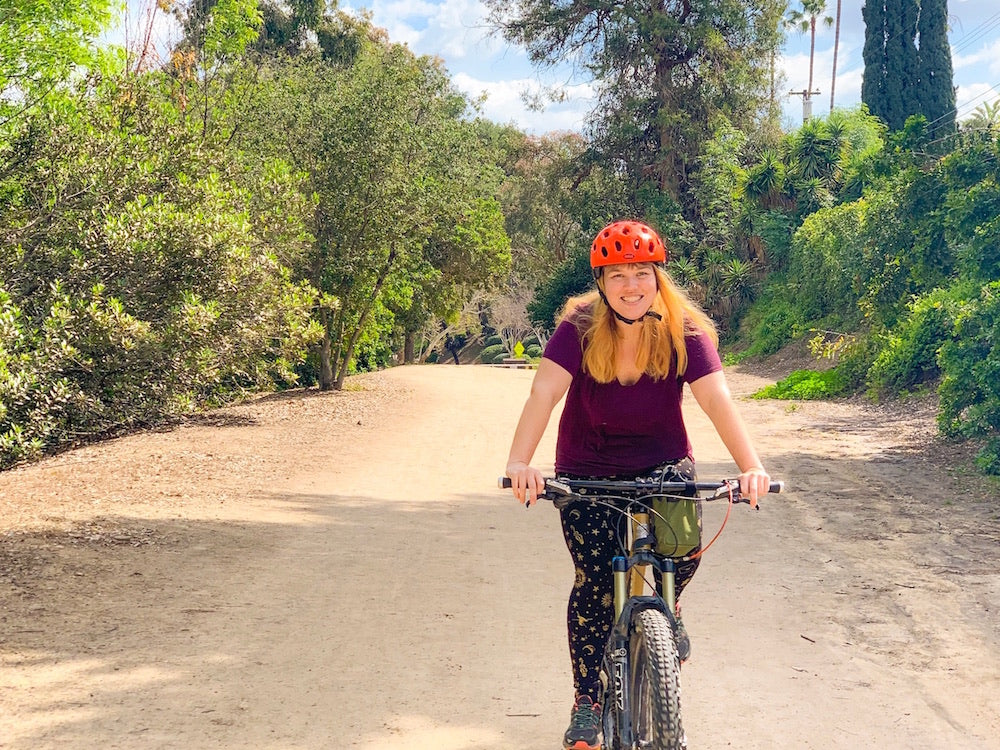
[{"x": 728, "y": 489}]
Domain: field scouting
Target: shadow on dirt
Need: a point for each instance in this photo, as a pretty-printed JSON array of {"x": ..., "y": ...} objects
[
  {"x": 133, "y": 632},
  {"x": 358, "y": 620}
]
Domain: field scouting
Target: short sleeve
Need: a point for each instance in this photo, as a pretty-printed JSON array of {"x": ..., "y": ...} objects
[
  {"x": 565, "y": 348},
  {"x": 703, "y": 357}
]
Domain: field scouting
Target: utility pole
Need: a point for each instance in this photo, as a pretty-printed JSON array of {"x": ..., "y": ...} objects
[{"x": 807, "y": 105}]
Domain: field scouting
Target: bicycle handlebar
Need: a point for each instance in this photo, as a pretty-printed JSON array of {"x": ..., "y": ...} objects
[{"x": 636, "y": 487}]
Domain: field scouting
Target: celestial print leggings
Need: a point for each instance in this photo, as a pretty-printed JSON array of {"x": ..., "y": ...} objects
[{"x": 593, "y": 536}]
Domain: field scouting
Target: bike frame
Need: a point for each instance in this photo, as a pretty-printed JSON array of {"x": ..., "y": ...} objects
[
  {"x": 631, "y": 587},
  {"x": 634, "y": 591}
]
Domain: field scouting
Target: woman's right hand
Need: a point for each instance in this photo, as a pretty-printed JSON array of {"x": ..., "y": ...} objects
[{"x": 526, "y": 482}]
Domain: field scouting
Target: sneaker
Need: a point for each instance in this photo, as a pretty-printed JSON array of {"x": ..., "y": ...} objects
[
  {"x": 584, "y": 731},
  {"x": 681, "y": 637}
]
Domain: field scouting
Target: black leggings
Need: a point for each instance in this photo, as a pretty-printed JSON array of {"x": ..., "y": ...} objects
[{"x": 593, "y": 534}]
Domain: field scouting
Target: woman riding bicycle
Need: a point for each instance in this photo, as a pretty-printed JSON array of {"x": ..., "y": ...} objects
[{"x": 623, "y": 352}]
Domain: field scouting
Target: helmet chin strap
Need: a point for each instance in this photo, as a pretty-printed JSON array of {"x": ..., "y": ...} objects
[{"x": 651, "y": 313}]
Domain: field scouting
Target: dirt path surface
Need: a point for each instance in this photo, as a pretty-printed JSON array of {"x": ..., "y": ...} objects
[{"x": 317, "y": 571}]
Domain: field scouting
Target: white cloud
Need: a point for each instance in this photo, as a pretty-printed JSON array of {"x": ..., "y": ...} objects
[
  {"x": 974, "y": 95},
  {"x": 987, "y": 58},
  {"x": 452, "y": 29},
  {"x": 504, "y": 103},
  {"x": 848, "y": 92},
  {"x": 402, "y": 20},
  {"x": 461, "y": 30}
]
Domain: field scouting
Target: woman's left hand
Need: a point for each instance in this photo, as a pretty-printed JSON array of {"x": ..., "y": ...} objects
[{"x": 754, "y": 482}]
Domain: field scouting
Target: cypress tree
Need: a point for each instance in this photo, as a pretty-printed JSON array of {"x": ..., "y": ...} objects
[
  {"x": 873, "y": 78},
  {"x": 902, "y": 77},
  {"x": 900, "y": 62},
  {"x": 937, "y": 92}
]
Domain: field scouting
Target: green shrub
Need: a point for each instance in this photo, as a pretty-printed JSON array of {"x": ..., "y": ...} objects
[
  {"x": 909, "y": 353},
  {"x": 142, "y": 273},
  {"x": 493, "y": 354},
  {"x": 772, "y": 323},
  {"x": 970, "y": 386},
  {"x": 534, "y": 351},
  {"x": 806, "y": 385},
  {"x": 827, "y": 261}
]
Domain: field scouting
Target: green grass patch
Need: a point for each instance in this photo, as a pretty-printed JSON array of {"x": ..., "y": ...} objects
[{"x": 806, "y": 385}]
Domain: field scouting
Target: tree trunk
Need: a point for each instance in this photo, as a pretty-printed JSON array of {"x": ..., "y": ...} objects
[
  {"x": 774, "y": 96},
  {"x": 836, "y": 48},
  {"x": 335, "y": 351},
  {"x": 325, "y": 366},
  {"x": 349, "y": 352},
  {"x": 812, "y": 53},
  {"x": 409, "y": 356}
]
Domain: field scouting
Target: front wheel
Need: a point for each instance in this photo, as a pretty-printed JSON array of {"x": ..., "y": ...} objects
[{"x": 654, "y": 683}]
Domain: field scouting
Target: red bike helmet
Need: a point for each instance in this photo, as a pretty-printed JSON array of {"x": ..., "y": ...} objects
[{"x": 627, "y": 242}]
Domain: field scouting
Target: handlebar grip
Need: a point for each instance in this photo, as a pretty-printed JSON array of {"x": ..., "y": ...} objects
[
  {"x": 503, "y": 483},
  {"x": 776, "y": 487}
]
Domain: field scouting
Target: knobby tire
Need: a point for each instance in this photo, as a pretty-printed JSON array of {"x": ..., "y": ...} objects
[{"x": 654, "y": 684}]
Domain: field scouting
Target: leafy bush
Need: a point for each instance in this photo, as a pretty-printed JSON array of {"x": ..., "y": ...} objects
[
  {"x": 970, "y": 388},
  {"x": 573, "y": 277},
  {"x": 909, "y": 353},
  {"x": 142, "y": 272},
  {"x": 827, "y": 263},
  {"x": 805, "y": 385},
  {"x": 774, "y": 321},
  {"x": 493, "y": 354}
]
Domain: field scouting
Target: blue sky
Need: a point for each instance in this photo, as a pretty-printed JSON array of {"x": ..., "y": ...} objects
[{"x": 480, "y": 63}]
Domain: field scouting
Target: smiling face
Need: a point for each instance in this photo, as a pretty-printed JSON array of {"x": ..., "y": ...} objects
[{"x": 630, "y": 288}]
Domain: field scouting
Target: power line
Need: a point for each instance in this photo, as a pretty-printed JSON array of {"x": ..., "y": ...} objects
[
  {"x": 971, "y": 38},
  {"x": 979, "y": 33},
  {"x": 943, "y": 120}
]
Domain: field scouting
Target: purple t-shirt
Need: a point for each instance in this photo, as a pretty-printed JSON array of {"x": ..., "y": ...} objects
[{"x": 610, "y": 428}]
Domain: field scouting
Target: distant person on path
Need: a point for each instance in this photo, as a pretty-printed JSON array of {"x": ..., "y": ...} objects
[
  {"x": 454, "y": 344},
  {"x": 623, "y": 352}
]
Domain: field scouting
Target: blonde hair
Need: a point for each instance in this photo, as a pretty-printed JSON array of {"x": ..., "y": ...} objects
[{"x": 659, "y": 340}]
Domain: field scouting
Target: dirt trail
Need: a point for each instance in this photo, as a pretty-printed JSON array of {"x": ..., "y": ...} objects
[{"x": 312, "y": 571}]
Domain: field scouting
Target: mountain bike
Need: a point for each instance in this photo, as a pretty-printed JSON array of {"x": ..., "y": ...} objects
[{"x": 640, "y": 674}]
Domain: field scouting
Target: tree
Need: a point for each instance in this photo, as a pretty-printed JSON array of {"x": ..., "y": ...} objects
[
  {"x": 890, "y": 56},
  {"x": 509, "y": 317},
  {"x": 286, "y": 26},
  {"x": 985, "y": 117},
  {"x": 664, "y": 73},
  {"x": 41, "y": 43},
  {"x": 143, "y": 270},
  {"x": 901, "y": 65},
  {"x": 908, "y": 62},
  {"x": 805, "y": 21},
  {"x": 543, "y": 174},
  {"x": 836, "y": 51},
  {"x": 873, "y": 54},
  {"x": 937, "y": 93},
  {"x": 406, "y": 216}
]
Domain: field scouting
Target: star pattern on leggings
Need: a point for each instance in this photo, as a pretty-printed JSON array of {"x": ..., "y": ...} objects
[{"x": 593, "y": 537}]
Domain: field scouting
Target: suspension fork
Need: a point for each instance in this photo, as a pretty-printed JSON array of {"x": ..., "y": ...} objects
[
  {"x": 631, "y": 574},
  {"x": 640, "y": 540}
]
